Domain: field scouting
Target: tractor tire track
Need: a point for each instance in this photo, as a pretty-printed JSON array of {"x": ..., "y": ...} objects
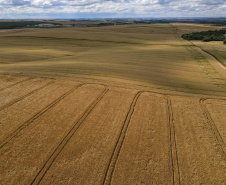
[
  {"x": 173, "y": 145},
  {"x": 15, "y": 84},
  {"x": 25, "y": 96},
  {"x": 212, "y": 124},
  {"x": 66, "y": 139},
  {"x": 40, "y": 113},
  {"x": 117, "y": 149},
  {"x": 119, "y": 143}
]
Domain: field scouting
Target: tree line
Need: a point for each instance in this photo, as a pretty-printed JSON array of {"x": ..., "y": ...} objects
[{"x": 206, "y": 36}]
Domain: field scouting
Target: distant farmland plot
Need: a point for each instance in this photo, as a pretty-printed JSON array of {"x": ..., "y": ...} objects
[
  {"x": 131, "y": 104},
  {"x": 150, "y": 54}
]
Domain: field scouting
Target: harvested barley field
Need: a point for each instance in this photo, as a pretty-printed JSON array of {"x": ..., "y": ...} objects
[{"x": 130, "y": 104}]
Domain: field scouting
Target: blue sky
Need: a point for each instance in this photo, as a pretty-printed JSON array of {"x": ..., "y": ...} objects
[{"x": 69, "y": 9}]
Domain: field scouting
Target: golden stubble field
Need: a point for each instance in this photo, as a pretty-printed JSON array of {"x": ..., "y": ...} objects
[{"x": 112, "y": 105}]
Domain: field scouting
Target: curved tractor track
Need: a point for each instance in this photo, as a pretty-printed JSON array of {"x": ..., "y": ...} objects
[
  {"x": 211, "y": 122},
  {"x": 117, "y": 149}
]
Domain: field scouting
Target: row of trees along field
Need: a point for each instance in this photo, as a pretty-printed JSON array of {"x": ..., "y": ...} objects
[{"x": 206, "y": 36}]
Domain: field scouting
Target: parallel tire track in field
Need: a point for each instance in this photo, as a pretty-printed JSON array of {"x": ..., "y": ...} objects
[
  {"x": 212, "y": 124},
  {"x": 119, "y": 143},
  {"x": 16, "y": 83},
  {"x": 40, "y": 113},
  {"x": 173, "y": 145},
  {"x": 66, "y": 139},
  {"x": 25, "y": 96},
  {"x": 116, "y": 151}
]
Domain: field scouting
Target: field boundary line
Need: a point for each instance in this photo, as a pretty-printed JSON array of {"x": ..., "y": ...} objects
[
  {"x": 25, "y": 96},
  {"x": 37, "y": 115},
  {"x": 117, "y": 149},
  {"x": 191, "y": 47},
  {"x": 213, "y": 57},
  {"x": 38, "y": 178},
  {"x": 211, "y": 122},
  {"x": 15, "y": 84},
  {"x": 173, "y": 144}
]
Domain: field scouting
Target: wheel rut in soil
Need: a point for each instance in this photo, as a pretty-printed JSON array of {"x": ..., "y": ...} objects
[
  {"x": 38, "y": 178},
  {"x": 173, "y": 144},
  {"x": 116, "y": 151},
  {"x": 15, "y": 84},
  {"x": 212, "y": 124},
  {"x": 25, "y": 96},
  {"x": 40, "y": 113}
]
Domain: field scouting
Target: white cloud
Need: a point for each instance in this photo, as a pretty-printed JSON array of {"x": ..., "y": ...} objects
[{"x": 152, "y": 8}]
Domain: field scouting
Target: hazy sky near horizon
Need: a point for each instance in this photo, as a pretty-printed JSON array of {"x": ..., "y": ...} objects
[{"x": 19, "y": 9}]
